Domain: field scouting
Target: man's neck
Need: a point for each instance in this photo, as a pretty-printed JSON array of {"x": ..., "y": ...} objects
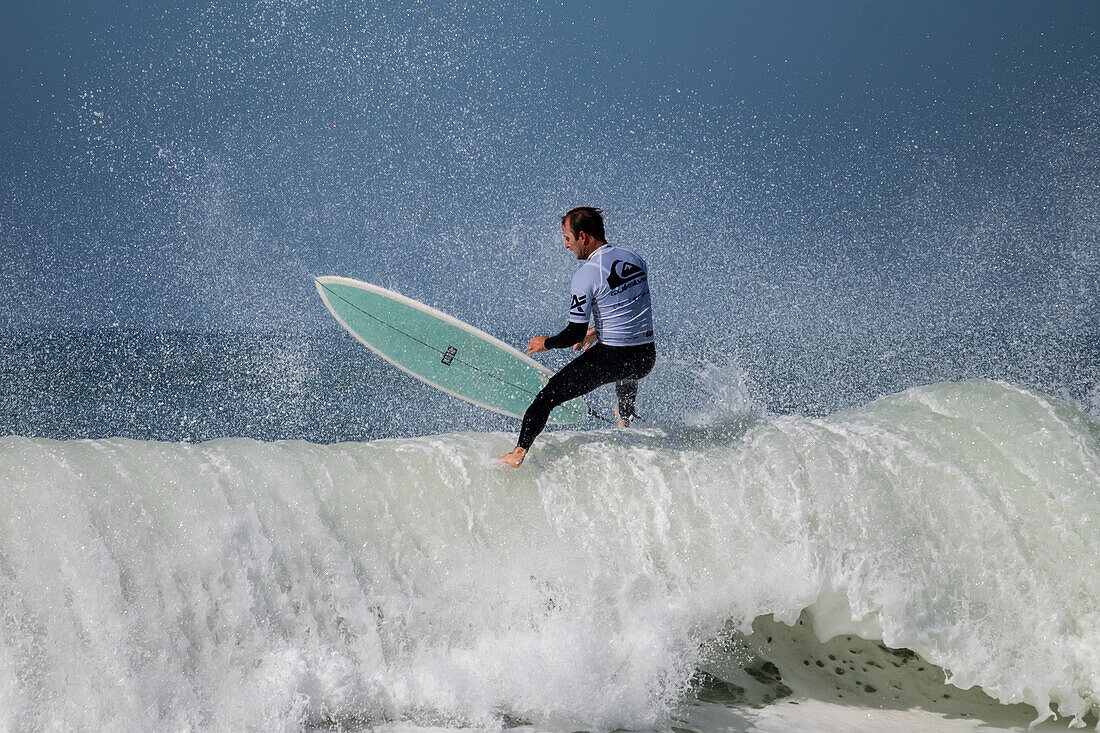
[{"x": 595, "y": 246}]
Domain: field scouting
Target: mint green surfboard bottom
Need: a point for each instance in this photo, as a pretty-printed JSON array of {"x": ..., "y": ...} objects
[{"x": 441, "y": 350}]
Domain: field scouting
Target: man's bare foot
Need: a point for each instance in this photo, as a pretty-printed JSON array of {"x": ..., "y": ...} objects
[
  {"x": 624, "y": 422},
  {"x": 515, "y": 458}
]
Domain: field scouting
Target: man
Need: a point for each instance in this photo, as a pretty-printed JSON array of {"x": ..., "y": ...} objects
[{"x": 611, "y": 288}]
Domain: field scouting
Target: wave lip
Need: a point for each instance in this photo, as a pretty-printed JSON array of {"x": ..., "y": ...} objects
[{"x": 236, "y": 583}]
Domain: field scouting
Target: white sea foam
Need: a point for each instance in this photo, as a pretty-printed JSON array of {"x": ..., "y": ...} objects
[{"x": 236, "y": 584}]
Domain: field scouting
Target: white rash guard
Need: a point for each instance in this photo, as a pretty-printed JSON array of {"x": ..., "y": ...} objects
[{"x": 612, "y": 288}]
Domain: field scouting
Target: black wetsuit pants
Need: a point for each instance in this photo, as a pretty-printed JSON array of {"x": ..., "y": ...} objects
[{"x": 600, "y": 364}]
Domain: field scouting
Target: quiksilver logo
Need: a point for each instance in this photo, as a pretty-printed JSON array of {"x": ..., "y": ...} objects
[
  {"x": 623, "y": 272},
  {"x": 577, "y": 307}
]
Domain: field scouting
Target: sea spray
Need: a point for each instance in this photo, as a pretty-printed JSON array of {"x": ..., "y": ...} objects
[{"x": 236, "y": 584}]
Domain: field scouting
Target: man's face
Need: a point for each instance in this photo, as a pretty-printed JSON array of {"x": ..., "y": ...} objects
[{"x": 577, "y": 245}]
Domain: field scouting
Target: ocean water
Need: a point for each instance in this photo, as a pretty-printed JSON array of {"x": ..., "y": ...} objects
[
  {"x": 864, "y": 492},
  {"x": 923, "y": 560}
]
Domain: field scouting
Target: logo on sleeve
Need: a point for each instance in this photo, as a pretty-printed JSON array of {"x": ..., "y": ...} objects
[
  {"x": 622, "y": 273},
  {"x": 577, "y": 307}
]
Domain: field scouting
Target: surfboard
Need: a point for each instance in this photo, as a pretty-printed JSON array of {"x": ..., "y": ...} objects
[{"x": 441, "y": 350}]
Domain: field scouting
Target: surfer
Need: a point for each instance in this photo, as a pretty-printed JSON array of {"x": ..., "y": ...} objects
[{"x": 612, "y": 289}]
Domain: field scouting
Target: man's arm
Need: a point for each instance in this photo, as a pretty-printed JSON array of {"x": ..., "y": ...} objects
[
  {"x": 573, "y": 334},
  {"x": 590, "y": 338},
  {"x": 580, "y": 312}
]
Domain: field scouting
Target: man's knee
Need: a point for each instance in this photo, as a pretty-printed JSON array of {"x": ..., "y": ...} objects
[{"x": 549, "y": 396}]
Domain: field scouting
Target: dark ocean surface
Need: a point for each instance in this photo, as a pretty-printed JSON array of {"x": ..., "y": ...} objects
[{"x": 326, "y": 387}]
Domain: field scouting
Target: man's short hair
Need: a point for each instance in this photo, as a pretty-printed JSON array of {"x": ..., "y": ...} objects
[{"x": 587, "y": 219}]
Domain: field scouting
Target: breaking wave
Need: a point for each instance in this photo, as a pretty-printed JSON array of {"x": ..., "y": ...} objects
[{"x": 237, "y": 584}]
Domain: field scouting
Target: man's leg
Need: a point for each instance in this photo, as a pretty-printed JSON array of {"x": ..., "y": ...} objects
[
  {"x": 627, "y": 392},
  {"x": 638, "y": 365},
  {"x": 598, "y": 365},
  {"x": 580, "y": 376}
]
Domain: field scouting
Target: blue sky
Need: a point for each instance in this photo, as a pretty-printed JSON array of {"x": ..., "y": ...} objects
[{"x": 190, "y": 165}]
